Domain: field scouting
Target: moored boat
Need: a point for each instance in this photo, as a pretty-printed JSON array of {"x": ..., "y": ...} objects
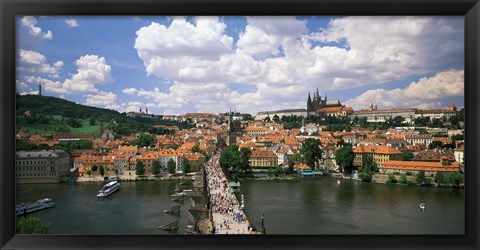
[
  {"x": 108, "y": 189},
  {"x": 22, "y": 209}
]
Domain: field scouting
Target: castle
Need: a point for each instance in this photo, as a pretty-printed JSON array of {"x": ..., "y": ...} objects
[
  {"x": 318, "y": 103},
  {"x": 312, "y": 106}
]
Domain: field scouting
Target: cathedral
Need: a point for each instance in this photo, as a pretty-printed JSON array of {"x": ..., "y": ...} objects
[{"x": 318, "y": 103}]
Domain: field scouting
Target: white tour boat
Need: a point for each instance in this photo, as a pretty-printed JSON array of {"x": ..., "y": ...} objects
[
  {"x": 108, "y": 189},
  {"x": 22, "y": 209}
]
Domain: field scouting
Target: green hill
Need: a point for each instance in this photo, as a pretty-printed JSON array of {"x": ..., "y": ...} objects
[{"x": 51, "y": 114}]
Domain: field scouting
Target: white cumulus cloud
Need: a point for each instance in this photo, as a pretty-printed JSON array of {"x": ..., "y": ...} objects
[
  {"x": 102, "y": 99},
  {"x": 92, "y": 70},
  {"x": 383, "y": 49},
  {"x": 30, "y": 22},
  {"x": 265, "y": 36},
  {"x": 33, "y": 61},
  {"x": 423, "y": 94},
  {"x": 71, "y": 22}
]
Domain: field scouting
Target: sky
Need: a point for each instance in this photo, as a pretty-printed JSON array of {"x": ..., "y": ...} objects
[{"x": 175, "y": 65}]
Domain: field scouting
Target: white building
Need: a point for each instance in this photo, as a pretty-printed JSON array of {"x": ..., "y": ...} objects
[
  {"x": 383, "y": 115},
  {"x": 419, "y": 139},
  {"x": 458, "y": 153},
  {"x": 280, "y": 113},
  {"x": 438, "y": 113}
]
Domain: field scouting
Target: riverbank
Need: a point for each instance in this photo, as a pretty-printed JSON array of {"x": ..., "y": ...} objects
[
  {"x": 376, "y": 179},
  {"x": 275, "y": 178},
  {"x": 127, "y": 178},
  {"x": 383, "y": 179}
]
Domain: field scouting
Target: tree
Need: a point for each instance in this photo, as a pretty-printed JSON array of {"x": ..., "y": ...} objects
[
  {"x": 403, "y": 179},
  {"x": 144, "y": 140},
  {"x": 391, "y": 179},
  {"x": 454, "y": 120},
  {"x": 276, "y": 171},
  {"x": 355, "y": 120},
  {"x": 366, "y": 175},
  {"x": 92, "y": 121},
  {"x": 276, "y": 118},
  {"x": 421, "y": 179},
  {"x": 196, "y": 148},
  {"x": 311, "y": 151},
  {"x": 437, "y": 123},
  {"x": 297, "y": 157},
  {"x": 94, "y": 168},
  {"x": 235, "y": 162},
  {"x": 439, "y": 178},
  {"x": 267, "y": 119},
  {"x": 291, "y": 164},
  {"x": 435, "y": 144},
  {"x": 81, "y": 144},
  {"x": 244, "y": 160},
  {"x": 139, "y": 168},
  {"x": 363, "y": 122},
  {"x": 344, "y": 158},
  {"x": 422, "y": 121},
  {"x": 407, "y": 155},
  {"x": 25, "y": 146},
  {"x": 74, "y": 123},
  {"x": 31, "y": 225},
  {"x": 185, "y": 166},
  {"x": 454, "y": 178},
  {"x": 458, "y": 137},
  {"x": 89, "y": 172},
  {"x": 171, "y": 166},
  {"x": 230, "y": 158},
  {"x": 398, "y": 121},
  {"x": 101, "y": 170},
  {"x": 367, "y": 163},
  {"x": 156, "y": 167}
]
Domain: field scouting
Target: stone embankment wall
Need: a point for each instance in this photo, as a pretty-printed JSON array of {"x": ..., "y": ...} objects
[{"x": 199, "y": 219}]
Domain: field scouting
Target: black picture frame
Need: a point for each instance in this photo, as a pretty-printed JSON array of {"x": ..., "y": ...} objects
[{"x": 470, "y": 9}]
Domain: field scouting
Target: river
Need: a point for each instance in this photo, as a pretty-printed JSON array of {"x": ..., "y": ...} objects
[
  {"x": 322, "y": 206},
  {"x": 136, "y": 209},
  {"x": 301, "y": 206}
]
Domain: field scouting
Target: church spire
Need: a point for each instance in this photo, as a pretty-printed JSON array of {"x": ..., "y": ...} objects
[{"x": 370, "y": 107}]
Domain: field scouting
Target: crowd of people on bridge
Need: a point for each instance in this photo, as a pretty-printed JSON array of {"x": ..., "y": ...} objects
[{"x": 222, "y": 201}]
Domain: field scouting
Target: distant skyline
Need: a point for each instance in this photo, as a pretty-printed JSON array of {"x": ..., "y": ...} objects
[{"x": 175, "y": 65}]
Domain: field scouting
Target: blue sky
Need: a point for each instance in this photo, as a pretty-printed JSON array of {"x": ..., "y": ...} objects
[{"x": 174, "y": 65}]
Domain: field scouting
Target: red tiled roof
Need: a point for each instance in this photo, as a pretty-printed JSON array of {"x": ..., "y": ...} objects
[
  {"x": 263, "y": 154},
  {"x": 385, "y": 110},
  {"x": 382, "y": 149},
  {"x": 420, "y": 165}
]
